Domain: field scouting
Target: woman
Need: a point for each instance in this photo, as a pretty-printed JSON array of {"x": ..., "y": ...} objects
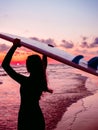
[{"x": 30, "y": 115}]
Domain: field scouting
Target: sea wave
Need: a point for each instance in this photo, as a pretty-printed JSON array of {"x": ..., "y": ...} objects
[{"x": 68, "y": 86}]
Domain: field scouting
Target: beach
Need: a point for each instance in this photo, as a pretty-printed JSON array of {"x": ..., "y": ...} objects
[
  {"x": 69, "y": 86},
  {"x": 82, "y": 115}
]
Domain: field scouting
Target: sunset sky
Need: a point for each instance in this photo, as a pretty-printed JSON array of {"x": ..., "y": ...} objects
[{"x": 71, "y": 24}]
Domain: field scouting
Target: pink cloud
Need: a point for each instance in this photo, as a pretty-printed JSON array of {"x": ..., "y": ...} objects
[
  {"x": 3, "y": 47},
  {"x": 67, "y": 44}
]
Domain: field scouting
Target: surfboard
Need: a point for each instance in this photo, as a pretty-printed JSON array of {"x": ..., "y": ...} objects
[{"x": 53, "y": 52}]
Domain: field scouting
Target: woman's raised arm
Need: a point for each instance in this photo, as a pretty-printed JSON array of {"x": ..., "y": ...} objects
[{"x": 6, "y": 62}]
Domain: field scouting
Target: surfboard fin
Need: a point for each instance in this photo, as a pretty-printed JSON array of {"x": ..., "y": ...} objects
[
  {"x": 77, "y": 59},
  {"x": 50, "y": 45},
  {"x": 93, "y": 63}
]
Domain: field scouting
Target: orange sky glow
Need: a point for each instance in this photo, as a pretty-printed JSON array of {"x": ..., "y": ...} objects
[{"x": 22, "y": 53}]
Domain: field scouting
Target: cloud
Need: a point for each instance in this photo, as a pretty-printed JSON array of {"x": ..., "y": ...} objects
[
  {"x": 95, "y": 43},
  {"x": 84, "y": 44},
  {"x": 79, "y": 51},
  {"x": 84, "y": 38},
  {"x": 50, "y": 41},
  {"x": 86, "y": 52},
  {"x": 67, "y": 44},
  {"x": 47, "y": 41},
  {"x": 3, "y": 47},
  {"x": 35, "y": 38}
]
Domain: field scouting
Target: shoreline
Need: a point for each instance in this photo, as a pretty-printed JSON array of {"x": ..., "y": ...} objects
[
  {"x": 82, "y": 115},
  {"x": 57, "y": 104}
]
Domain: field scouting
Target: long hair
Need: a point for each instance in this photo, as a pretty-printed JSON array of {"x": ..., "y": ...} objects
[{"x": 35, "y": 67}]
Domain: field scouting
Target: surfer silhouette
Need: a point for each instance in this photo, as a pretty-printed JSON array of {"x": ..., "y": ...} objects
[{"x": 30, "y": 116}]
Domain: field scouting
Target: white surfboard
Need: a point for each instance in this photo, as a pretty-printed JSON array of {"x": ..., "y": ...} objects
[{"x": 52, "y": 52}]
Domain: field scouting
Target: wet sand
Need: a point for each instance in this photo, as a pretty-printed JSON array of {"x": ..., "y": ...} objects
[
  {"x": 56, "y": 105},
  {"x": 82, "y": 115}
]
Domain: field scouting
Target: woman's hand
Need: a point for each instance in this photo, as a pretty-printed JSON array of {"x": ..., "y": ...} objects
[
  {"x": 16, "y": 42},
  {"x": 50, "y": 90}
]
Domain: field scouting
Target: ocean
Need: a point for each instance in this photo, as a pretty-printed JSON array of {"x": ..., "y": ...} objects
[{"x": 68, "y": 84}]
